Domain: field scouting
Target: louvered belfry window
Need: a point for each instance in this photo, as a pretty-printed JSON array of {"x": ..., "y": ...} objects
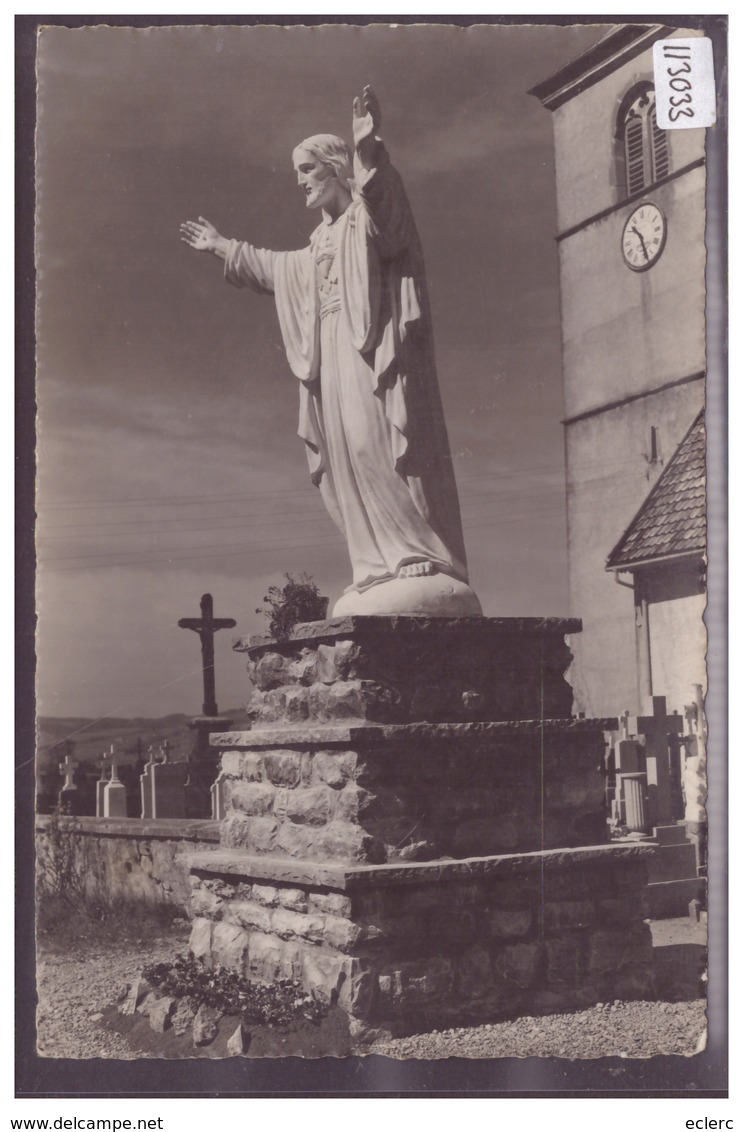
[
  {"x": 645, "y": 145},
  {"x": 659, "y": 148}
]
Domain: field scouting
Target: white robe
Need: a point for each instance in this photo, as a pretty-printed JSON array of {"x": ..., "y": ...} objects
[{"x": 370, "y": 411}]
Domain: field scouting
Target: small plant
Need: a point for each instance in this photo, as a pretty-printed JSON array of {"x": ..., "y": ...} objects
[
  {"x": 278, "y": 1004},
  {"x": 58, "y": 869},
  {"x": 289, "y": 605}
]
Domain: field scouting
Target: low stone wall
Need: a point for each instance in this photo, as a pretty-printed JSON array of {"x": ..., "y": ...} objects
[
  {"x": 132, "y": 860},
  {"x": 408, "y": 946}
]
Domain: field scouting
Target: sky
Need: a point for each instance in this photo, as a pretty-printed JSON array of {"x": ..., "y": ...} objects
[{"x": 168, "y": 461}]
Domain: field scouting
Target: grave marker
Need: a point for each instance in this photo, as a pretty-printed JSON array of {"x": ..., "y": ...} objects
[
  {"x": 164, "y": 786},
  {"x": 114, "y": 791},
  {"x": 656, "y": 729},
  {"x": 628, "y": 752},
  {"x": 206, "y": 626},
  {"x": 203, "y": 761},
  {"x": 69, "y": 801}
]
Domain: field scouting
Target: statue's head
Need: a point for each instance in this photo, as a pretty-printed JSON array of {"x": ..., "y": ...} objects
[{"x": 324, "y": 164}]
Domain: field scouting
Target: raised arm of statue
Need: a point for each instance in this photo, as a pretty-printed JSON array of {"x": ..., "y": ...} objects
[
  {"x": 367, "y": 118},
  {"x": 378, "y": 183}
]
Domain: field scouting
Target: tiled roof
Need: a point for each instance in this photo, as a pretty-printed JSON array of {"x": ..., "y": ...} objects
[{"x": 672, "y": 520}]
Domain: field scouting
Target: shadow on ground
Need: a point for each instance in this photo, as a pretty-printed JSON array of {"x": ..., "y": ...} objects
[{"x": 679, "y": 959}]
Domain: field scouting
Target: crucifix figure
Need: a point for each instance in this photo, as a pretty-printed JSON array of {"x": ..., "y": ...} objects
[{"x": 206, "y": 626}]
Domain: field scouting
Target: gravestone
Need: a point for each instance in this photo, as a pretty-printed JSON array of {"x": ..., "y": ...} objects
[
  {"x": 122, "y": 767},
  {"x": 416, "y": 865},
  {"x": 629, "y": 761},
  {"x": 164, "y": 785},
  {"x": 656, "y": 729},
  {"x": 70, "y": 798},
  {"x": 114, "y": 792},
  {"x": 695, "y": 778},
  {"x": 629, "y": 753},
  {"x": 219, "y": 797}
]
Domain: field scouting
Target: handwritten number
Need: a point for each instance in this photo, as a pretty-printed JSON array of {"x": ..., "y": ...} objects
[
  {"x": 684, "y": 69},
  {"x": 676, "y": 112}
]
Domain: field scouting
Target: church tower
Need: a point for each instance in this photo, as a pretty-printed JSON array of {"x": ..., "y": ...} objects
[{"x": 631, "y": 221}]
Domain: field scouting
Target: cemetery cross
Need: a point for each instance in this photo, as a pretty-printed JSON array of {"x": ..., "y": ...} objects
[
  {"x": 67, "y": 768},
  {"x": 206, "y": 626},
  {"x": 109, "y": 762},
  {"x": 656, "y": 728}
]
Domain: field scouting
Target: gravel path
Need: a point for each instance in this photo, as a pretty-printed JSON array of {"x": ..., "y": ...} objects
[
  {"x": 622, "y": 1029},
  {"x": 75, "y": 987}
]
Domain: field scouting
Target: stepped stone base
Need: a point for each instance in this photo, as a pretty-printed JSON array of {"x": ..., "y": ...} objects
[
  {"x": 673, "y": 873},
  {"x": 403, "y": 947},
  {"x": 670, "y": 899},
  {"x": 413, "y": 827},
  {"x": 408, "y": 669},
  {"x": 413, "y": 791}
]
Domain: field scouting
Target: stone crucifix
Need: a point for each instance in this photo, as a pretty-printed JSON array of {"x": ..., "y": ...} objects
[
  {"x": 206, "y": 626},
  {"x": 68, "y": 768},
  {"x": 109, "y": 763}
]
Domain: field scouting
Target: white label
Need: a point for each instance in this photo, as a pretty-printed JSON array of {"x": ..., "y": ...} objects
[{"x": 684, "y": 83}]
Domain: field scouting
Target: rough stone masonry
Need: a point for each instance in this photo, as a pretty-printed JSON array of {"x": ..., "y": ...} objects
[{"x": 415, "y": 827}]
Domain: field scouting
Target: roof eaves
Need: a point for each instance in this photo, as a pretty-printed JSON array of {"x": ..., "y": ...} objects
[
  {"x": 622, "y": 43},
  {"x": 618, "y": 559}
]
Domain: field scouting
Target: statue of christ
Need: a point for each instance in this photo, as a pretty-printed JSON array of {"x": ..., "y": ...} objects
[{"x": 354, "y": 316}]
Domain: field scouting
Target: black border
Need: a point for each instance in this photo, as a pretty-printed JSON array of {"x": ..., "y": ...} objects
[{"x": 703, "y": 1076}]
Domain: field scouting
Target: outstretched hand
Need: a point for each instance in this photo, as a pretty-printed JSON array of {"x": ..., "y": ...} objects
[
  {"x": 200, "y": 235},
  {"x": 367, "y": 116}
]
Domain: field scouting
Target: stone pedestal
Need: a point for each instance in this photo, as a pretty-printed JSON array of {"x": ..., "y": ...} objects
[
  {"x": 415, "y": 826},
  {"x": 415, "y": 945},
  {"x": 203, "y": 765},
  {"x": 114, "y": 799},
  {"x": 634, "y": 791}
]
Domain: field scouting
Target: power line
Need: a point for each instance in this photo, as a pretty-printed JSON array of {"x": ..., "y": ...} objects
[
  {"x": 166, "y": 556},
  {"x": 216, "y": 522},
  {"x": 191, "y": 500}
]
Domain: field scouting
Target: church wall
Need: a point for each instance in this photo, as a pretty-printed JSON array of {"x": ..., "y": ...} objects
[
  {"x": 584, "y": 127},
  {"x": 677, "y": 648},
  {"x": 624, "y": 333},
  {"x": 609, "y": 477}
]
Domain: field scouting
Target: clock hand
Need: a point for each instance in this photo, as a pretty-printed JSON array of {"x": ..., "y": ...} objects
[{"x": 638, "y": 233}]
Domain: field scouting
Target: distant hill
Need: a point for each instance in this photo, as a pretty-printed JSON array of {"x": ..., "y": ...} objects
[{"x": 90, "y": 738}]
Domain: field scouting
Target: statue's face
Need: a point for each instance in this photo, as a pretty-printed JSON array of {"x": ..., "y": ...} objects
[{"x": 317, "y": 181}]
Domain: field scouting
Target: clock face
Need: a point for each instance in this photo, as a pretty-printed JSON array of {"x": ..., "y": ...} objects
[{"x": 643, "y": 236}]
